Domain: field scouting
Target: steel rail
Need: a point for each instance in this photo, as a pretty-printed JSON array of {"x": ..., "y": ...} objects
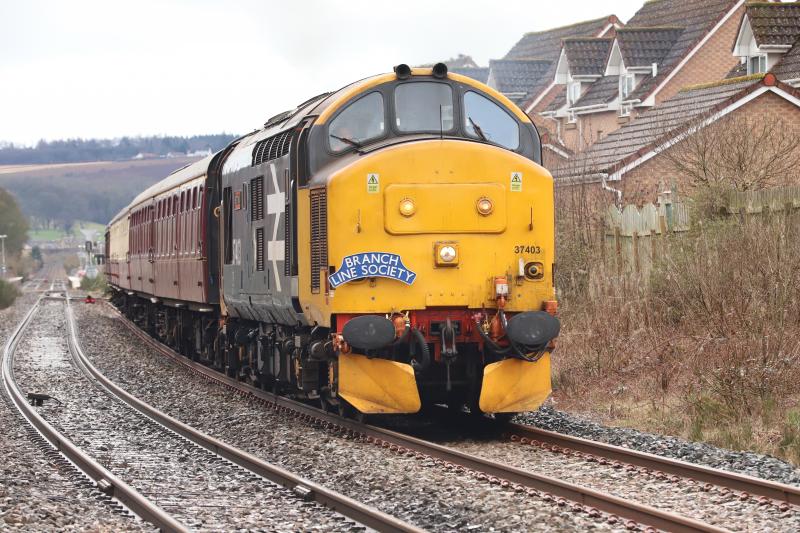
[
  {"x": 105, "y": 480},
  {"x": 740, "y": 482},
  {"x": 608, "y": 503},
  {"x": 308, "y": 490}
]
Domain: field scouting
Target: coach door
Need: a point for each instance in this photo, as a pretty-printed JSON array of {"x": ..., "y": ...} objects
[{"x": 148, "y": 263}]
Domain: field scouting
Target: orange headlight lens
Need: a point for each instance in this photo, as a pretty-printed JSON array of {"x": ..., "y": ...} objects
[
  {"x": 484, "y": 206},
  {"x": 407, "y": 207}
]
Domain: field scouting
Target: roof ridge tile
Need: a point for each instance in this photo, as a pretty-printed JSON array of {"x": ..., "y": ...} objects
[{"x": 727, "y": 81}]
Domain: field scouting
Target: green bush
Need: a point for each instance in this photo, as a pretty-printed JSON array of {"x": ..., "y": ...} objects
[
  {"x": 97, "y": 284},
  {"x": 8, "y": 293}
]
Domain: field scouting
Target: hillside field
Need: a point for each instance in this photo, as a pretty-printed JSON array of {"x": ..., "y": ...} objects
[{"x": 58, "y": 194}]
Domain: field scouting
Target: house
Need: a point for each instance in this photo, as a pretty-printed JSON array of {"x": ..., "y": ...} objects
[
  {"x": 603, "y": 82},
  {"x": 539, "y": 49},
  {"x": 639, "y": 158},
  {"x": 768, "y": 40}
]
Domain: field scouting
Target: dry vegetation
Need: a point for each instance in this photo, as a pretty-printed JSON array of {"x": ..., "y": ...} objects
[{"x": 708, "y": 347}]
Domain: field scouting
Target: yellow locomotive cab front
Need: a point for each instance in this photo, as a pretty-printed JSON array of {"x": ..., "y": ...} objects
[{"x": 457, "y": 216}]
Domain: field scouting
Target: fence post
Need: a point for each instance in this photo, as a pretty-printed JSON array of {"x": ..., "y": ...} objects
[
  {"x": 636, "y": 265},
  {"x": 652, "y": 247},
  {"x": 603, "y": 244},
  {"x": 618, "y": 247}
]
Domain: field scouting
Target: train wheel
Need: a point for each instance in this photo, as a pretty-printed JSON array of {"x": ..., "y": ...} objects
[
  {"x": 503, "y": 418},
  {"x": 326, "y": 403},
  {"x": 348, "y": 411}
]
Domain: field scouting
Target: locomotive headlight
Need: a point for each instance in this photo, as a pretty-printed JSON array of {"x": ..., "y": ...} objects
[
  {"x": 407, "y": 207},
  {"x": 484, "y": 206},
  {"x": 446, "y": 254}
]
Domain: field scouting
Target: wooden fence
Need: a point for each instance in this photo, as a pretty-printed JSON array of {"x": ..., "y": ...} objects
[
  {"x": 633, "y": 235},
  {"x": 775, "y": 199}
]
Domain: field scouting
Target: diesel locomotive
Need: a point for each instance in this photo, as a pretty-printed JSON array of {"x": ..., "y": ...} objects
[{"x": 379, "y": 249}]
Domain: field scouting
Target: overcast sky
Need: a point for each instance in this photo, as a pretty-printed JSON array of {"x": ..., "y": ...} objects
[{"x": 111, "y": 68}]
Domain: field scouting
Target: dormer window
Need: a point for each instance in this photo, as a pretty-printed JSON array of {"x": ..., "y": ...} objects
[
  {"x": 573, "y": 92},
  {"x": 757, "y": 64},
  {"x": 627, "y": 83}
]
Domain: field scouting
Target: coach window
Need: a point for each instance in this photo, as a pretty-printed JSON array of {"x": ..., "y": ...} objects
[
  {"x": 485, "y": 120},
  {"x": 361, "y": 121},
  {"x": 423, "y": 107}
]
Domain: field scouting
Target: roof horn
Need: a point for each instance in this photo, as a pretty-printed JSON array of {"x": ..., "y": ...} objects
[
  {"x": 440, "y": 70},
  {"x": 403, "y": 71}
]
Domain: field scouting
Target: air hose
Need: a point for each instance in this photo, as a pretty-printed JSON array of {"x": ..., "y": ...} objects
[
  {"x": 512, "y": 349},
  {"x": 424, "y": 360}
]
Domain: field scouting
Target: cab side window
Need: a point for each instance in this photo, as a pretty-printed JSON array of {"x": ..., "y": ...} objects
[
  {"x": 361, "y": 121},
  {"x": 484, "y": 119}
]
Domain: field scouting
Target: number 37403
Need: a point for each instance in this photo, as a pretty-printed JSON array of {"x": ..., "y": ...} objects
[{"x": 527, "y": 249}]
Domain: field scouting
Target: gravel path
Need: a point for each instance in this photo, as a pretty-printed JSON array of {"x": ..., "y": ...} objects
[
  {"x": 199, "y": 489},
  {"x": 415, "y": 490},
  {"x": 723, "y": 509},
  {"x": 35, "y": 494},
  {"x": 753, "y": 464}
]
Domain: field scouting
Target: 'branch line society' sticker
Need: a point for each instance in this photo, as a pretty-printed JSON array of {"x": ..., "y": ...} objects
[{"x": 371, "y": 265}]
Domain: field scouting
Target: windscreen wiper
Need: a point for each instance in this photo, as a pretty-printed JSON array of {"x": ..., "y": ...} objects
[
  {"x": 347, "y": 140},
  {"x": 478, "y": 130}
]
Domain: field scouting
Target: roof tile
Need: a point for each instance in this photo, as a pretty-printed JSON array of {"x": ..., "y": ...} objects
[
  {"x": 547, "y": 44},
  {"x": 638, "y": 136},
  {"x": 788, "y": 68},
  {"x": 697, "y": 17},
  {"x": 641, "y": 47},
  {"x": 559, "y": 100},
  {"x": 519, "y": 77},
  {"x": 587, "y": 56},
  {"x": 774, "y": 24},
  {"x": 480, "y": 74},
  {"x": 602, "y": 91}
]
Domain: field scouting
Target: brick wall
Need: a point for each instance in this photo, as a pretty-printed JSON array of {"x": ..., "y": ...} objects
[
  {"x": 551, "y": 160},
  {"x": 710, "y": 63},
  {"x": 641, "y": 184},
  {"x": 589, "y": 129}
]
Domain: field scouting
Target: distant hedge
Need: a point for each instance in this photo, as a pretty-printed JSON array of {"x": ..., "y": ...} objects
[{"x": 82, "y": 150}]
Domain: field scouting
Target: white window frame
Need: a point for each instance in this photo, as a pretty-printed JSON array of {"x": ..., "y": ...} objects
[
  {"x": 573, "y": 92},
  {"x": 627, "y": 84},
  {"x": 572, "y": 118},
  {"x": 625, "y": 110},
  {"x": 762, "y": 64}
]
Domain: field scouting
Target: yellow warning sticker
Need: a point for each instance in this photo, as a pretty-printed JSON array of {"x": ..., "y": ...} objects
[
  {"x": 373, "y": 183},
  {"x": 516, "y": 182}
]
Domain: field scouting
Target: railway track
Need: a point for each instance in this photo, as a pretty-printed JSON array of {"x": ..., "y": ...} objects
[
  {"x": 174, "y": 476},
  {"x": 747, "y": 486},
  {"x": 575, "y": 496}
]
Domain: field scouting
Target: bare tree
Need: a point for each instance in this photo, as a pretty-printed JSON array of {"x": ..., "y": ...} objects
[{"x": 739, "y": 153}]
